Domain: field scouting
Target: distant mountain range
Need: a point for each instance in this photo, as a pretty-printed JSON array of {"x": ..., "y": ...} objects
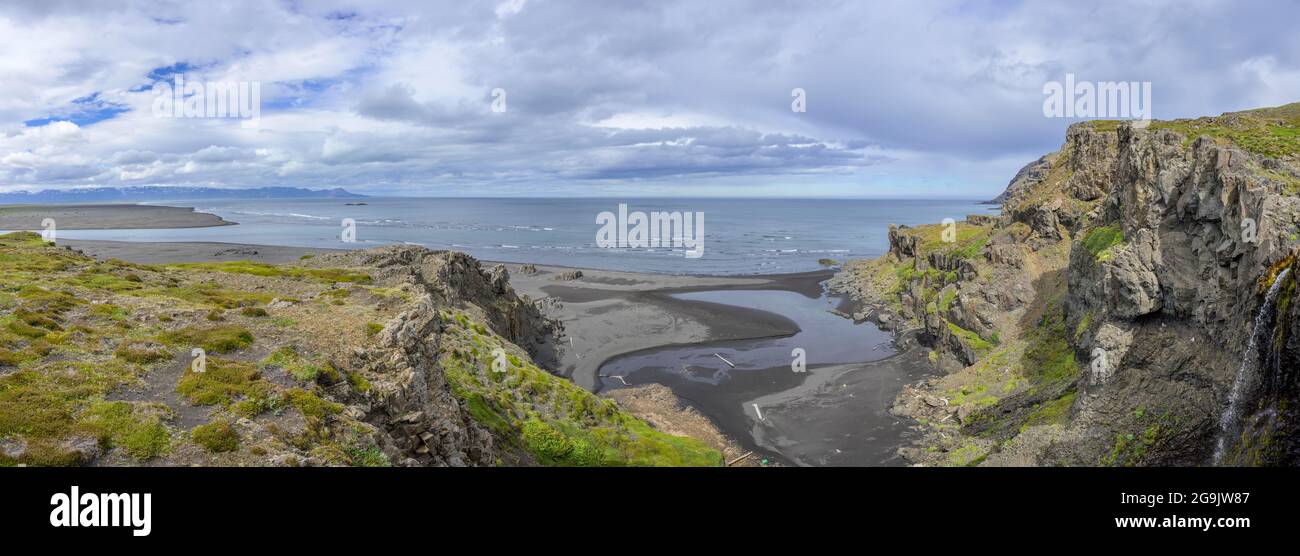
[{"x": 155, "y": 193}]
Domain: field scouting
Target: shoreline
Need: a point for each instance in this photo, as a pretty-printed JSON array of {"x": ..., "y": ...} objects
[
  {"x": 107, "y": 217},
  {"x": 607, "y": 314}
]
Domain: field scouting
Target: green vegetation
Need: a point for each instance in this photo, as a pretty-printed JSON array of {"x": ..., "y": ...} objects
[
  {"x": 218, "y": 339},
  {"x": 46, "y": 407},
  {"x": 223, "y": 382},
  {"x": 1049, "y": 358},
  {"x": 74, "y": 330},
  {"x": 1099, "y": 240},
  {"x": 217, "y": 436},
  {"x": 970, "y": 339},
  {"x": 287, "y": 358},
  {"x": 945, "y": 301},
  {"x": 140, "y": 433},
  {"x": 373, "y": 328},
  {"x": 327, "y": 275},
  {"x": 141, "y": 351},
  {"x": 552, "y": 419},
  {"x": 358, "y": 382},
  {"x": 1271, "y": 132},
  {"x": 1051, "y": 413},
  {"x": 370, "y": 456}
]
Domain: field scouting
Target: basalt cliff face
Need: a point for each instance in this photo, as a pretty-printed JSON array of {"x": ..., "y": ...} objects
[{"x": 1106, "y": 316}]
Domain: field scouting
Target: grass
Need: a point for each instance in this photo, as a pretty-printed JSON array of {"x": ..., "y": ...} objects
[
  {"x": 1100, "y": 239},
  {"x": 370, "y": 456},
  {"x": 970, "y": 339},
  {"x": 1271, "y": 132},
  {"x": 222, "y": 383},
  {"x": 141, "y": 351},
  {"x": 141, "y": 434},
  {"x": 552, "y": 419},
  {"x": 217, "y": 436},
  {"x": 1049, "y": 357},
  {"x": 287, "y": 358},
  {"x": 73, "y": 330},
  {"x": 46, "y": 406},
  {"x": 326, "y": 275},
  {"x": 1054, "y": 412},
  {"x": 216, "y": 339},
  {"x": 946, "y": 300}
]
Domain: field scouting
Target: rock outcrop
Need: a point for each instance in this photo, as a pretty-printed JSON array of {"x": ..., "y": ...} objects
[{"x": 1104, "y": 318}]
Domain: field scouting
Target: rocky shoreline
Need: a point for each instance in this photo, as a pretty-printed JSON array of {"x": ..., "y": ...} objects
[{"x": 1103, "y": 318}]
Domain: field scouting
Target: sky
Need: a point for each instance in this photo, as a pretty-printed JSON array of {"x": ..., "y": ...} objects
[{"x": 555, "y": 98}]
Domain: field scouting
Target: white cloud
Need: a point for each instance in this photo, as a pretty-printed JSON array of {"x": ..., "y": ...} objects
[{"x": 688, "y": 96}]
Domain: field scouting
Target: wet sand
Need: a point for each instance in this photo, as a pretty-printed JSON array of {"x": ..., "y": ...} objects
[
  {"x": 609, "y": 313},
  {"x": 105, "y": 217},
  {"x": 834, "y": 413},
  {"x": 161, "y": 252}
]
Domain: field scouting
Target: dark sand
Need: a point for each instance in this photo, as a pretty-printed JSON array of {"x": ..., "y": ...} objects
[
  {"x": 105, "y": 217},
  {"x": 835, "y": 413},
  {"x": 161, "y": 252}
]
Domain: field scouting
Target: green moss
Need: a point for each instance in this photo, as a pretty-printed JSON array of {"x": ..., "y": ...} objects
[
  {"x": 1101, "y": 238},
  {"x": 1054, "y": 412},
  {"x": 1048, "y": 356},
  {"x": 206, "y": 293},
  {"x": 141, "y": 352},
  {"x": 969, "y": 454},
  {"x": 551, "y": 418},
  {"x": 311, "y": 405},
  {"x": 946, "y": 300},
  {"x": 41, "y": 406},
  {"x": 1271, "y": 132},
  {"x": 546, "y": 441},
  {"x": 141, "y": 434},
  {"x": 217, "y": 339},
  {"x": 968, "y": 338},
  {"x": 222, "y": 383},
  {"x": 255, "y": 312},
  {"x": 1084, "y": 325},
  {"x": 217, "y": 436},
  {"x": 370, "y": 456},
  {"x": 358, "y": 382},
  {"x": 373, "y": 328},
  {"x": 328, "y": 275},
  {"x": 287, "y": 358},
  {"x": 109, "y": 311}
]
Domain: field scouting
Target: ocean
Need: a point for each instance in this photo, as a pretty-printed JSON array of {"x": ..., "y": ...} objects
[{"x": 740, "y": 236}]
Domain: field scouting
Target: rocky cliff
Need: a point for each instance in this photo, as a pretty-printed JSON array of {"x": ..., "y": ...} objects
[{"x": 1105, "y": 317}]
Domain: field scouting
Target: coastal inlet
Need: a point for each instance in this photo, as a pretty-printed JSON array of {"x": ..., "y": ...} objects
[{"x": 834, "y": 413}]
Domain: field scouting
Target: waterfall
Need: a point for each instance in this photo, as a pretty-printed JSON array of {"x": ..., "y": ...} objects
[{"x": 1231, "y": 419}]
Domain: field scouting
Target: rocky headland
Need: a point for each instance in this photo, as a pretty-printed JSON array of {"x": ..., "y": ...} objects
[{"x": 1132, "y": 304}]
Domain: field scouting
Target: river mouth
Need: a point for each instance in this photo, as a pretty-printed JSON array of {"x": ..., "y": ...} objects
[{"x": 833, "y": 413}]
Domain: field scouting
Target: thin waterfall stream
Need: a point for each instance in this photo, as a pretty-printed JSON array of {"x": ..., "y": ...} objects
[{"x": 1230, "y": 421}]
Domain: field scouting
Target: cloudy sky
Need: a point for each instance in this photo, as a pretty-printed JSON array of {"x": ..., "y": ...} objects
[{"x": 605, "y": 98}]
